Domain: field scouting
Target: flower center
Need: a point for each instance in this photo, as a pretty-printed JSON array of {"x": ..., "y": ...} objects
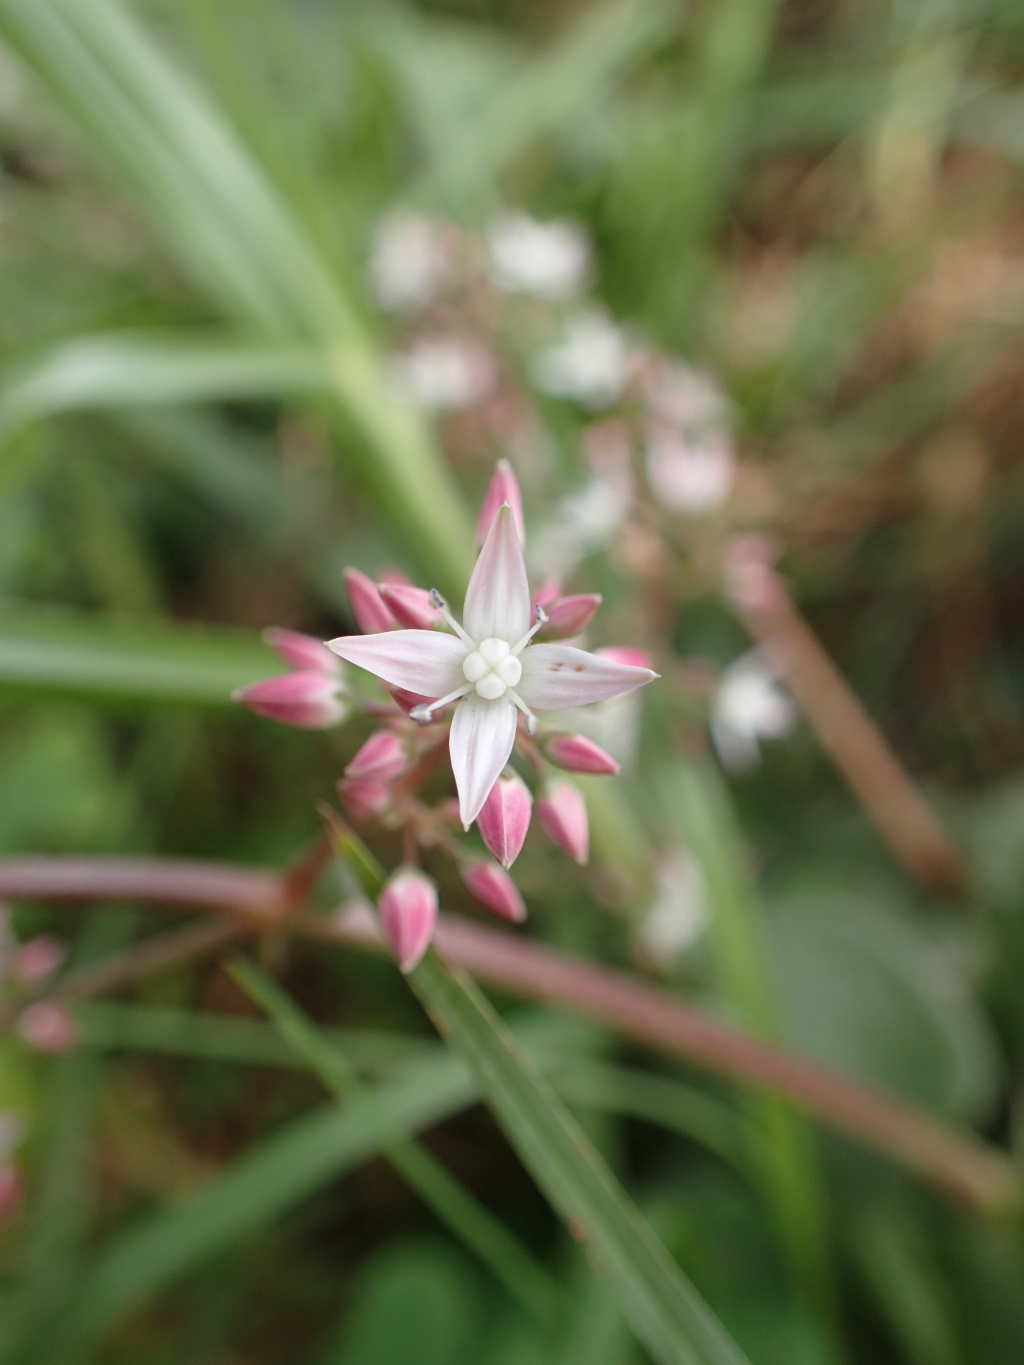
[{"x": 492, "y": 668}]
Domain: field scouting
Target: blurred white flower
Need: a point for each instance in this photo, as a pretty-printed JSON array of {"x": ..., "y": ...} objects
[
  {"x": 748, "y": 707},
  {"x": 529, "y": 257},
  {"x": 409, "y": 261},
  {"x": 690, "y": 473},
  {"x": 445, "y": 373},
  {"x": 679, "y": 914},
  {"x": 690, "y": 462},
  {"x": 590, "y": 364}
]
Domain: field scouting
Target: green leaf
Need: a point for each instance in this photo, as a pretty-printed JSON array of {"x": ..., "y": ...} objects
[
  {"x": 128, "y": 369},
  {"x": 162, "y": 1247},
  {"x": 660, "y": 1304},
  {"x": 50, "y": 652},
  {"x": 469, "y": 1220},
  {"x": 226, "y": 220}
]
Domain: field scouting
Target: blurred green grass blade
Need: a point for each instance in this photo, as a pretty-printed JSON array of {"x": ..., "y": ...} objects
[
  {"x": 162, "y": 1247},
  {"x": 567, "y": 82},
  {"x": 899, "y": 1265},
  {"x": 223, "y": 216},
  {"x": 474, "y": 1225},
  {"x": 117, "y": 1026},
  {"x": 124, "y": 370},
  {"x": 696, "y": 799},
  {"x": 51, "y": 652},
  {"x": 661, "y": 1306}
]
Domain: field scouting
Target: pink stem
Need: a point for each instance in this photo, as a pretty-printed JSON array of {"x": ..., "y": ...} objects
[{"x": 959, "y": 1164}]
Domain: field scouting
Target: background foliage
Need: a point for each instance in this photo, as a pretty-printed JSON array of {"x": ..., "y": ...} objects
[{"x": 821, "y": 202}]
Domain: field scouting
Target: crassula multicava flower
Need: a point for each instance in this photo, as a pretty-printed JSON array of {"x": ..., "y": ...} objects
[{"x": 489, "y": 666}]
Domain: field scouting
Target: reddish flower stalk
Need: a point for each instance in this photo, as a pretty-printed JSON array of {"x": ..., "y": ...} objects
[{"x": 957, "y": 1163}]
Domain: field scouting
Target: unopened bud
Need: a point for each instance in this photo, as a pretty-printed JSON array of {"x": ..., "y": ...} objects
[
  {"x": 47, "y": 1026},
  {"x": 563, "y": 818},
  {"x": 547, "y": 593},
  {"x": 302, "y": 652},
  {"x": 363, "y": 799},
  {"x": 577, "y": 754},
  {"x": 371, "y": 615},
  {"x": 502, "y": 488},
  {"x": 504, "y": 818},
  {"x": 626, "y": 654},
  {"x": 569, "y": 615},
  {"x": 493, "y": 887},
  {"x": 37, "y": 959},
  {"x": 380, "y": 759},
  {"x": 307, "y": 700},
  {"x": 408, "y": 913},
  {"x": 409, "y": 605}
]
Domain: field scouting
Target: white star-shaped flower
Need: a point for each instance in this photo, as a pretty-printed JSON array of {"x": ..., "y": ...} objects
[{"x": 489, "y": 665}]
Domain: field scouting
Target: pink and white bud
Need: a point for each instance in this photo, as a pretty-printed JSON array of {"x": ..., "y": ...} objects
[
  {"x": 364, "y": 799},
  {"x": 371, "y": 615},
  {"x": 577, "y": 754},
  {"x": 504, "y": 819},
  {"x": 563, "y": 818},
  {"x": 492, "y": 886},
  {"x": 307, "y": 700},
  {"x": 302, "y": 652},
  {"x": 626, "y": 654},
  {"x": 503, "y": 487},
  {"x": 47, "y": 1026},
  {"x": 408, "y": 914},
  {"x": 37, "y": 959},
  {"x": 12, "y": 1188},
  {"x": 381, "y": 758},
  {"x": 569, "y": 615},
  {"x": 409, "y": 605},
  {"x": 549, "y": 591}
]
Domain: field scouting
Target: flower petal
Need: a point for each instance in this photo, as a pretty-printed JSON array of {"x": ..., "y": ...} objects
[
  {"x": 422, "y": 661},
  {"x": 558, "y": 675},
  {"x": 482, "y": 736},
  {"x": 498, "y": 596}
]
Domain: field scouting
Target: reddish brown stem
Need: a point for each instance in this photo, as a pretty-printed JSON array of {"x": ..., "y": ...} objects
[
  {"x": 959, "y": 1164},
  {"x": 856, "y": 745}
]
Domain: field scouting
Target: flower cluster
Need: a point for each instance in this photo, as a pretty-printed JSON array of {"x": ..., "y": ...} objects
[
  {"x": 475, "y": 686},
  {"x": 464, "y": 300}
]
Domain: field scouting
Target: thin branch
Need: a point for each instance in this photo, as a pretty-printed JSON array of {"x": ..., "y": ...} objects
[
  {"x": 857, "y": 747},
  {"x": 960, "y": 1165}
]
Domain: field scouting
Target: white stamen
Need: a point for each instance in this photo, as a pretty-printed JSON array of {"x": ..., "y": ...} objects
[
  {"x": 439, "y": 604},
  {"x": 423, "y": 713},
  {"x": 531, "y": 719},
  {"x": 541, "y": 619}
]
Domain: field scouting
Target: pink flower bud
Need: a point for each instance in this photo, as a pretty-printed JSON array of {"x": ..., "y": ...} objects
[
  {"x": 504, "y": 818},
  {"x": 502, "y": 488},
  {"x": 47, "y": 1026},
  {"x": 626, "y": 654},
  {"x": 302, "y": 652},
  {"x": 577, "y": 754},
  {"x": 306, "y": 700},
  {"x": 11, "y": 1191},
  {"x": 409, "y": 701},
  {"x": 548, "y": 591},
  {"x": 563, "y": 818},
  {"x": 364, "y": 799},
  {"x": 408, "y": 913},
  {"x": 380, "y": 759},
  {"x": 409, "y": 605},
  {"x": 37, "y": 959},
  {"x": 371, "y": 615},
  {"x": 569, "y": 615},
  {"x": 493, "y": 887}
]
